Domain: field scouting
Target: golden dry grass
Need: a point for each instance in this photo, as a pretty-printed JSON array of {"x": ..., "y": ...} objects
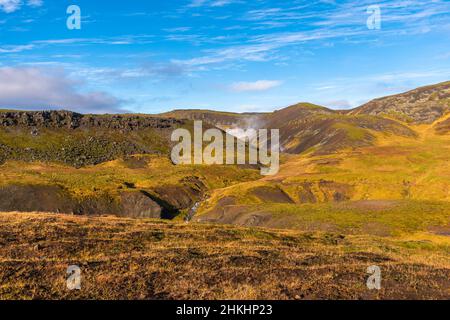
[
  {"x": 110, "y": 177},
  {"x": 153, "y": 259}
]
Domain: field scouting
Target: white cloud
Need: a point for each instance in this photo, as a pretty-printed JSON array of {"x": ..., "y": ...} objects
[
  {"x": 35, "y": 3},
  {"x": 10, "y": 6},
  {"x": 338, "y": 104},
  {"x": 36, "y": 88},
  {"x": 260, "y": 85}
]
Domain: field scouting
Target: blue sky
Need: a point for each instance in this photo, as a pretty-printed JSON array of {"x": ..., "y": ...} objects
[{"x": 234, "y": 55}]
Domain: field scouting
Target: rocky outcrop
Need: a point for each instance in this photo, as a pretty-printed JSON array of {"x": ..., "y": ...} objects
[
  {"x": 422, "y": 105},
  {"x": 77, "y": 152},
  {"x": 31, "y": 198},
  {"x": 72, "y": 120},
  {"x": 139, "y": 205},
  {"x": 164, "y": 202},
  {"x": 80, "y": 140}
]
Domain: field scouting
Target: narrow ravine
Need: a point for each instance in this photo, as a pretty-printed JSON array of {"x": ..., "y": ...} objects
[{"x": 193, "y": 211}]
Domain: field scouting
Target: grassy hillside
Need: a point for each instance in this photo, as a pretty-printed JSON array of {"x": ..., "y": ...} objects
[
  {"x": 308, "y": 128},
  {"x": 80, "y": 147},
  {"x": 154, "y": 259},
  {"x": 397, "y": 177}
]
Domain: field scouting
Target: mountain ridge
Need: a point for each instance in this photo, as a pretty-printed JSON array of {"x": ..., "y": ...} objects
[
  {"x": 304, "y": 127},
  {"x": 422, "y": 105}
]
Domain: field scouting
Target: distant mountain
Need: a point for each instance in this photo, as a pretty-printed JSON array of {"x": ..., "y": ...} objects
[
  {"x": 80, "y": 140},
  {"x": 418, "y": 106},
  {"x": 306, "y": 127},
  {"x": 216, "y": 118}
]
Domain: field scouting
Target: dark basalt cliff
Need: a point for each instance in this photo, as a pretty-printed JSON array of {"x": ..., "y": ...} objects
[
  {"x": 73, "y": 120},
  {"x": 79, "y": 140}
]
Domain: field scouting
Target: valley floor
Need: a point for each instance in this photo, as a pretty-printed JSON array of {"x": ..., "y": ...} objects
[{"x": 154, "y": 259}]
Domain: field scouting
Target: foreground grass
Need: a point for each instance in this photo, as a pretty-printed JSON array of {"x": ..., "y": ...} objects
[{"x": 153, "y": 259}]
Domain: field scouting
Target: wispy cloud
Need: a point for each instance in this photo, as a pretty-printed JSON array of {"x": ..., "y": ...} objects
[
  {"x": 338, "y": 104},
  {"x": 177, "y": 29},
  {"x": 261, "y": 48},
  {"x": 337, "y": 22},
  {"x": 15, "y": 49},
  {"x": 260, "y": 85},
  {"x": 210, "y": 3},
  {"x": 119, "y": 40},
  {"x": 197, "y": 3}
]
